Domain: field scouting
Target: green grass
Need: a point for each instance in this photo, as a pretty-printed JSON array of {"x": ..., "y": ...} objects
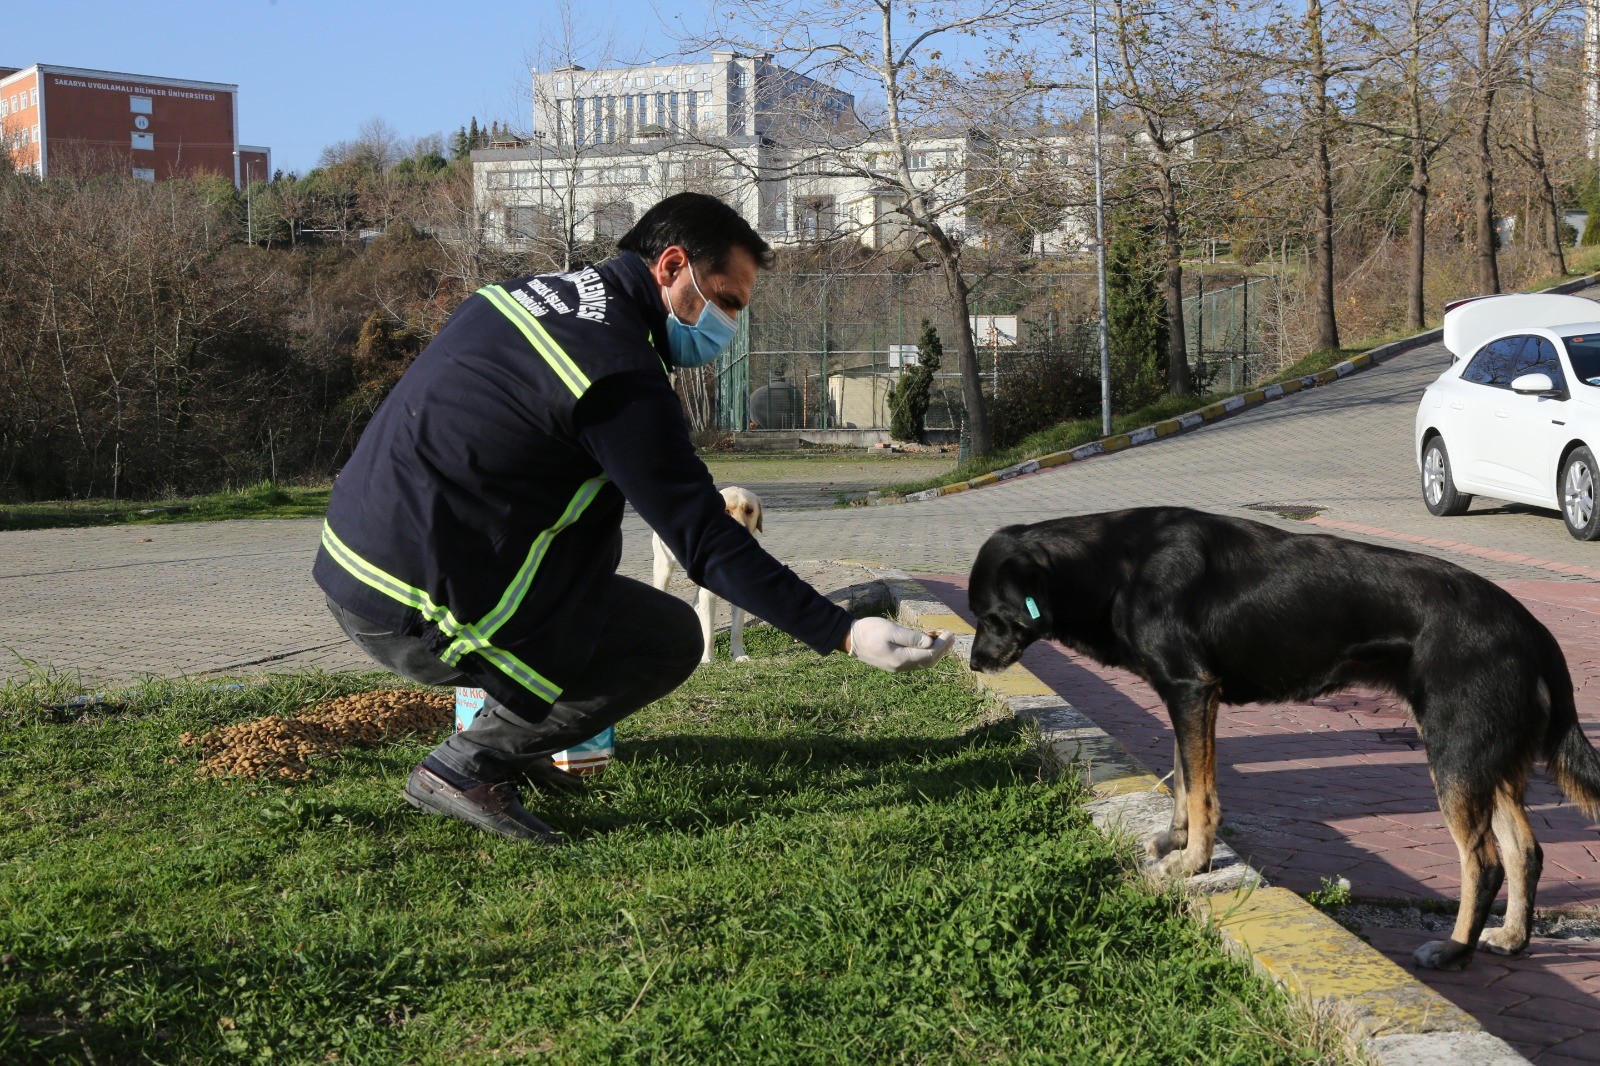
[
  {"x": 793, "y": 860},
  {"x": 264, "y": 500}
]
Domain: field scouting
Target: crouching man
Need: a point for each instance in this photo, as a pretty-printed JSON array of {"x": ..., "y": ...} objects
[{"x": 473, "y": 537}]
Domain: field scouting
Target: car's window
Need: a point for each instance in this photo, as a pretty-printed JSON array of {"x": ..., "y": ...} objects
[
  {"x": 1584, "y": 353},
  {"x": 1496, "y": 362},
  {"x": 1539, "y": 357}
]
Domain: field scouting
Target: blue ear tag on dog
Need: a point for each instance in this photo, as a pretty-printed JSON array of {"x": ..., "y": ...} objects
[{"x": 1033, "y": 608}]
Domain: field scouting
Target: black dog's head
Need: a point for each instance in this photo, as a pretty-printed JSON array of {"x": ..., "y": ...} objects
[{"x": 1009, "y": 593}]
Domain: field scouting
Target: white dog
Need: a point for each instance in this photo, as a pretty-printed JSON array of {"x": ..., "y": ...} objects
[{"x": 745, "y": 508}]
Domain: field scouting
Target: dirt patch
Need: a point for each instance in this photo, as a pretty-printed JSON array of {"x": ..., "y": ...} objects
[{"x": 276, "y": 746}]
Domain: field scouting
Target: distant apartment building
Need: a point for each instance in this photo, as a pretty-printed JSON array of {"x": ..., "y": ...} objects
[
  {"x": 67, "y": 120},
  {"x": 608, "y": 143}
]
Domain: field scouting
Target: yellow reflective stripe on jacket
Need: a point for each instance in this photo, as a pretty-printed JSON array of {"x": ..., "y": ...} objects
[
  {"x": 521, "y": 673},
  {"x": 476, "y": 636},
  {"x": 525, "y": 321},
  {"x": 387, "y": 583},
  {"x": 395, "y": 589}
]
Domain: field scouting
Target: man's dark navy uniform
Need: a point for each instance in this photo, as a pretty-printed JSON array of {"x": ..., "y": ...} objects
[{"x": 473, "y": 537}]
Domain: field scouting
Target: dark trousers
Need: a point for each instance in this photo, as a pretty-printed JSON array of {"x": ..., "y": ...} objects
[{"x": 649, "y": 645}]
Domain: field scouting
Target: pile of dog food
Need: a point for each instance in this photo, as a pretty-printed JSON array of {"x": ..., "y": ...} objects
[{"x": 276, "y": 746}]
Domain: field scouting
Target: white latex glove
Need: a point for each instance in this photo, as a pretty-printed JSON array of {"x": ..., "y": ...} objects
[{"x": 881, "y": 643}]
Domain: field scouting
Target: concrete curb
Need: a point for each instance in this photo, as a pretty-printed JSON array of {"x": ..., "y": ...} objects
[
  {"x": 1210, "y": 413},
  {"x": 1389, "y": 1015}
]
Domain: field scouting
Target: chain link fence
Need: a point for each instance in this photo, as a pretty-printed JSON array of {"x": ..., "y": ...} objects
[{"x": 822, "y": 351}]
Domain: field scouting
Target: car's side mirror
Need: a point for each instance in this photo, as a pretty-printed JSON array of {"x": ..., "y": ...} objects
[{"x": 1534, "y": 385}]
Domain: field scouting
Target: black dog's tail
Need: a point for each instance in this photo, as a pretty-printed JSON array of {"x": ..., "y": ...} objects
[{"x": 1573, "y": 761}]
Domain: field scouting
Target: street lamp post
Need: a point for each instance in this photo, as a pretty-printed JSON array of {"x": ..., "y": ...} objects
[{"x": 1100, "y": 231}]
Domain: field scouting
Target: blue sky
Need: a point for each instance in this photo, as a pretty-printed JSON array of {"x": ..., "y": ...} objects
[{"x": 310, "y": 72}]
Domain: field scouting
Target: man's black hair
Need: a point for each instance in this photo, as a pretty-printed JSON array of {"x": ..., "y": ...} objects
[{"x": 701, "y": 225}]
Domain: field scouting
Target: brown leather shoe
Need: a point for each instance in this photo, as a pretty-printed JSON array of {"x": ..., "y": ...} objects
[{"x": 496, "y": 807}]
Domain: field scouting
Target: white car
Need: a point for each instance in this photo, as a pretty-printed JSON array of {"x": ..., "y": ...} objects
[{"x": 1517, "y": 415}]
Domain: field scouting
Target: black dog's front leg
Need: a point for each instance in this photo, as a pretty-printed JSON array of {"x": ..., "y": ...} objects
[{"x": 1196, "y": 812}]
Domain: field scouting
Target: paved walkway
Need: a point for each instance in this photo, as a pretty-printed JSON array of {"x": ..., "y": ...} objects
[{"x": 113, "y": 603}]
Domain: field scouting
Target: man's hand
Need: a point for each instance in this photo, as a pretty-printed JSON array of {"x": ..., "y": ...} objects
[{"x": 881, "y": 643}]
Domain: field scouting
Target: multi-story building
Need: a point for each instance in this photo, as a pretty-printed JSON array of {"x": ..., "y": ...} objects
[
  {"x": 782, "y": 148},
  {"x": 65, "y": 120},
  {"x": 733, "y": 96}
]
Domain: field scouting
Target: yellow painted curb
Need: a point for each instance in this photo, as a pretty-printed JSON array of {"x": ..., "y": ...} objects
[
  {"x": 1212, "y": 411},
  {"x": 1255, "y": 396},
  {"x": 1116, "y": 443},
  {"x": 952, "y": 622},
  {"x": 1055, "y": 459},
  {"x": 960, "y": 486},
  {"x": 1015, "y": 681},
  {"x": 981, "y": 480},
  {"x": 1317, "y": 957},
  {"x": 1167, "y": 428},
  {"x": 1292, "y": 385}
]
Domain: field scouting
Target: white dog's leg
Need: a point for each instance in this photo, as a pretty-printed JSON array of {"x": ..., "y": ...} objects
[
  {"x": 663, "y": 564},
  {"x": 706, "y": 607},
  {"x": 736, "y": 641}
]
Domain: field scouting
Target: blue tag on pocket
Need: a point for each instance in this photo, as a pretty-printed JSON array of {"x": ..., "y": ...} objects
[{"x": 1033, "y": 608}]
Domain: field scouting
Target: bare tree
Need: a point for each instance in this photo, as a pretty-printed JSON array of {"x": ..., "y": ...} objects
[
  {"x": 1501, "y": 35},
  {"x": 1417, "y": 30},
  {"x": 923, "y": 98},
  {"x": 1186, "y": 75}
]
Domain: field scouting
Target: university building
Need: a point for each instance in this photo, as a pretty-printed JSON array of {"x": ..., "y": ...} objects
[
  {"x": 609, "y": 143},
  {"x": 66, "y": 120}
]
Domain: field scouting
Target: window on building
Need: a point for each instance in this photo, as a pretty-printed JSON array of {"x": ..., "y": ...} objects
[
  {"x": 140, "y": 105},
  {"x": 578, "y": 125},
  {"x": 561, "y": 86},
  {"x": 814, "y": 217},
  {"x": 672, "y": 79},
  {"x": 14, "y": 106},
  {"x": 598, "y": 132},
  {"x": 690, "y": 78},
  {"x": 661, "y": 110},
  {"x": 672, "y": 110},
  {"x": 611, "y": 120},
  {"x": 919, "y": 160},
  {"x": 144, "y": 174},
  {"x": 5, "y": 107},
  {"x": 692, "y": 118},
  {"x": 658, "y": 80},
  {"x": 22, "y": 137},
  {"x": 527, "y": 222},
  {"x": 36, "y": 138},
  {"x": 144, "y": 141},
  {"x": 612, "y": 220},
  {"x": 33, "y": 96}
]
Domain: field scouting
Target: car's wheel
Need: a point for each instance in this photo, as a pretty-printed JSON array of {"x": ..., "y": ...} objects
[
  {"x": 1578, "y": 476},
  {"x": 1438, "y": 487}
]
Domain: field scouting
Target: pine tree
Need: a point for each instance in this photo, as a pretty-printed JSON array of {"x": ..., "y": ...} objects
[
  {"x": 474, "y": 135},
  {"x": 459, "y": 145},
  {"x": 1136, "y": 310},
  {"x": 908, "y": 398}
]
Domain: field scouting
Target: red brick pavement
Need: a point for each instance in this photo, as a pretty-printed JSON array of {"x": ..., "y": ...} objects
[{"x": 1339, "y": 787}]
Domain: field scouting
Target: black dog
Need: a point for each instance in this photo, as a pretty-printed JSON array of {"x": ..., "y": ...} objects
[{"x": 1212, "y": 610}]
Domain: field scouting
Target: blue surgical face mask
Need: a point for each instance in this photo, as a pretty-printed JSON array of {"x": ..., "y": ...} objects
[{"x": 697, "y": 345}]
